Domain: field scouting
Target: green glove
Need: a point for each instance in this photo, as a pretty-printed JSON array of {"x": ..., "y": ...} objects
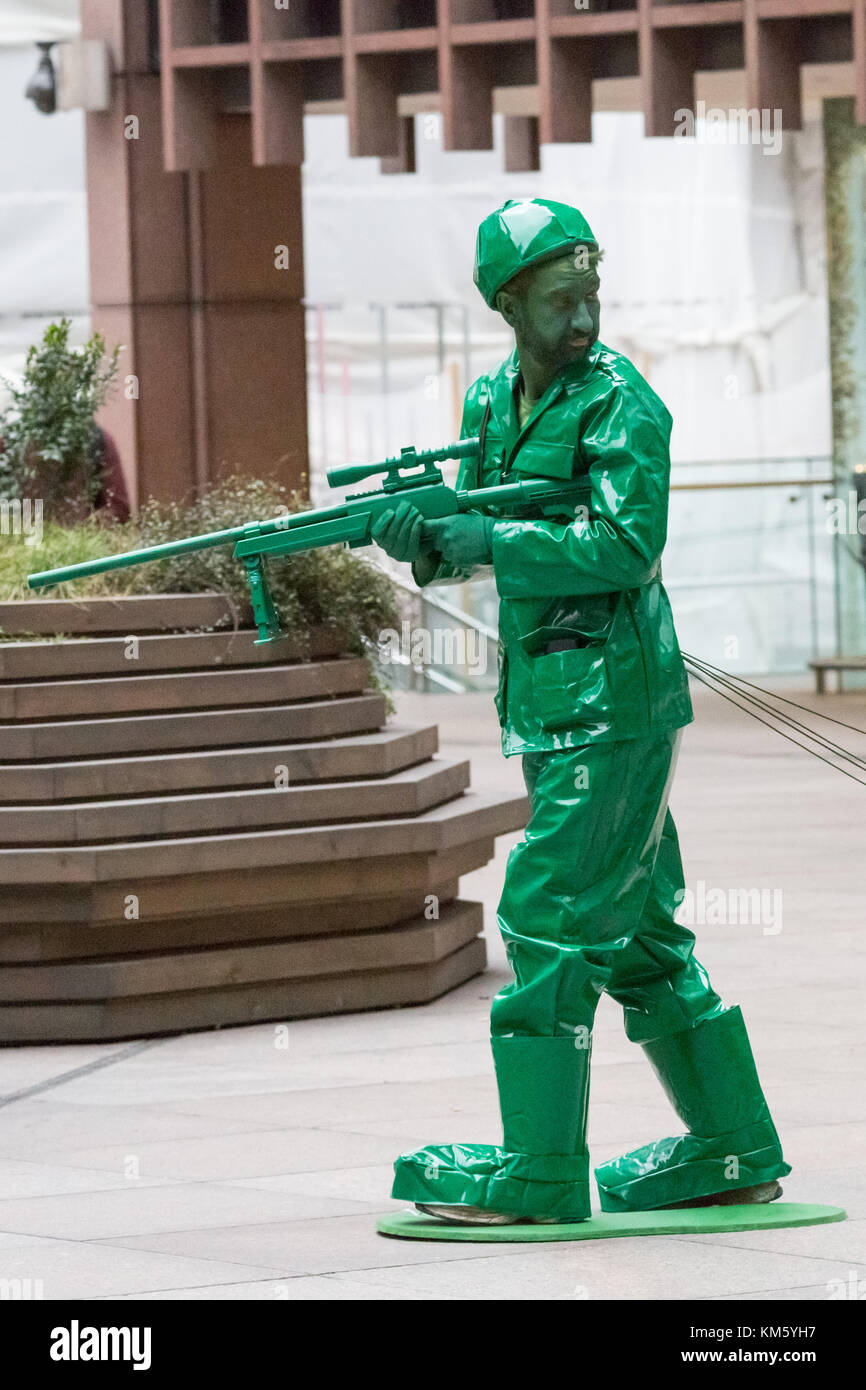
[
  {"x": 465, "y": 539},
  {"x": 400, "y": 532}
]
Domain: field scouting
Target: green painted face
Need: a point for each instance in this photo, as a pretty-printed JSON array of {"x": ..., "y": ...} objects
[{"x": 555, "y": 313}]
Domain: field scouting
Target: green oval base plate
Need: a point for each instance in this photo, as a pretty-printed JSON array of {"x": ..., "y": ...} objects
[{"x": 604, "y": 1225}]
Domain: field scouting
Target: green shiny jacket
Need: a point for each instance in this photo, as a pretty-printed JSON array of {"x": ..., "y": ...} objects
[{"x": 591, "y": 579}]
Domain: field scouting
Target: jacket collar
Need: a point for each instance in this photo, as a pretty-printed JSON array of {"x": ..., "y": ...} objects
[{"x": 503, "y": 407}]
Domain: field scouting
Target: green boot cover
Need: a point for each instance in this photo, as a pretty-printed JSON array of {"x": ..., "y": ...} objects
[
  {"x": 542, "y": 1166},
  {"x": 710, "y": 1078}
]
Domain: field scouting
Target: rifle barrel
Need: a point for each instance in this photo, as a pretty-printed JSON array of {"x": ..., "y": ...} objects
[{"x": 139, "y": 557}]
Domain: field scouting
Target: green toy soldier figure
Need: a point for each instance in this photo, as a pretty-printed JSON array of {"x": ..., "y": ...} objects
[{"x": 593, "y": 694}]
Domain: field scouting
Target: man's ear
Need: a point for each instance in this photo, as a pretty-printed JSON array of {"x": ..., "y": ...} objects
[{"x": 507, "y": 306}]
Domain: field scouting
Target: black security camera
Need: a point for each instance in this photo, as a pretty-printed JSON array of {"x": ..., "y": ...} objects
[{"x": 42, "y": 87}]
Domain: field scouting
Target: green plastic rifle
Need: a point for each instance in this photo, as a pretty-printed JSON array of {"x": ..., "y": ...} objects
[{"x": 348, "y": 523}]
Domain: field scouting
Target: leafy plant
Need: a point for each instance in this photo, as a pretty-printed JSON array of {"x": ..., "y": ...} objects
[
  {"x": 51, "y": 442},
  {"x": 330, "y": 587}
]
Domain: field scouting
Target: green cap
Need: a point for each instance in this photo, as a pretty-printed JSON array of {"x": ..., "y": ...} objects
[{"x": 521, "y": 233}]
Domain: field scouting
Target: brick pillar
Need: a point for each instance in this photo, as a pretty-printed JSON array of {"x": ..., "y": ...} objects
[{"x": 183, "y": 273}]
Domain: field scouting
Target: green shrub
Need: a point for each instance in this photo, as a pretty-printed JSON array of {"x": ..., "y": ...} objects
[
  {"x": 335, "y": 587},
  {"x": 51, "y": 442}
]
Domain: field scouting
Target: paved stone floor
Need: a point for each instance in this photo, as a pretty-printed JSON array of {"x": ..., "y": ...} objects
[{"x": 216, "y": 1166}]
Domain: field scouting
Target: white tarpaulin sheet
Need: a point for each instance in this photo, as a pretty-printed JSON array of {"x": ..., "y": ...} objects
[
  {"x": 714, "y": 275},
  {"x": 27, "y": 21},
  {"x": 43, "y": 215}
]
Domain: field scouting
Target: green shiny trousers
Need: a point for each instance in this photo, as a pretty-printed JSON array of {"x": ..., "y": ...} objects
[{"x": 587, "y": 908}]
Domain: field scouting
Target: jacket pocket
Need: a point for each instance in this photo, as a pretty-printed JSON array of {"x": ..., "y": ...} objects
[
  {"x": 587, "y": 620},
  {"x": 571, "y": 688},
  {"x": 544, "y": 458}
]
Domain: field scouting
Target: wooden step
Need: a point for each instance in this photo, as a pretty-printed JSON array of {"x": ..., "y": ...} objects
[
  {"x": 196, "y": 831},
  {"x": 378, "y": 754},
  {"x": 406, "y": 793},
  {"x": 186, "y": 651},
  {"x": 296, "y": 889},
  {"x": 111, "y": 695},
  {"x": 416, "y": 943},
  {"x": 118, "y": 1019},
  {"x": 127, "y": 613},
  {"x": 46, "y": 941},
  {"x": 470, "y": 816},
  {"x": 198, "y": 729}
]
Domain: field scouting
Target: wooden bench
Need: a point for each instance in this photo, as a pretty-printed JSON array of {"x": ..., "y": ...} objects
[{"x": 835, "y": 663}]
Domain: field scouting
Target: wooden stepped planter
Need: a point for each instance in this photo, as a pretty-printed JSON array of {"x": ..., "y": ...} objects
[{"x": 208, "y": 832}]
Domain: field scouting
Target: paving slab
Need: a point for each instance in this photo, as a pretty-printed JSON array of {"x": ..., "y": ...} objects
[
  {"x": 330, "y": 1288},
  {"x": 23, "y": 1067},
  {"x": 847, "y": 1244},
  {"x": 361, "y": 1185},
  {"x": 334, "y": 1244},
  {"x": 144, "y": 1208},
  {"x": 82, "y": 1270},
  {"x": 20, "y": 1180},
  {"x": 340, "y": 1106},
  {"x": 809, "y": 1293},
  {"x": 242, "y": 1155},
  {"x": 652, "y": 1268},
  {"x": 273, "y": 1068},
  {"x": 56, "y": 1128}
]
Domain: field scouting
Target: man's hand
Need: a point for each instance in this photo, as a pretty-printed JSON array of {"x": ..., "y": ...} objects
[
  {"x": 466, "y": 539},
  {"x": 400, "y": 532}
]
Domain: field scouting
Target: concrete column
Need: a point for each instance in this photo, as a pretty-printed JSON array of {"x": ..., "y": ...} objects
[
  {"x": 845, "y": 194},
  {"x": 186, "y": 273}
]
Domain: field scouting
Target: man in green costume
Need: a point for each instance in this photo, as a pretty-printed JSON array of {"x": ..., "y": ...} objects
[{"x": 593, "y": 694}]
